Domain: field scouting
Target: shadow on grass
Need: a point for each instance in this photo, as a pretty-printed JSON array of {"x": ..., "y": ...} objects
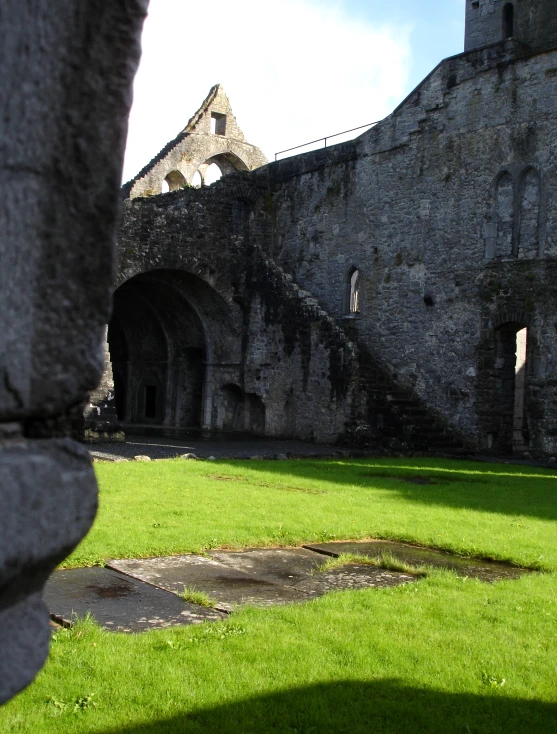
[
  {"x": 508, "y": 490},
  {"x": 388, "y": 707}
]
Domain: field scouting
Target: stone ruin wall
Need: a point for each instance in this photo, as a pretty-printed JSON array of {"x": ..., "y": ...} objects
[
  {"x": 416, "y": 204},
  {"x": 533, "y": 23},
  {"x": 447, "y": 208},
  {"x": 196, "y": 147},
  {"x": 267, "y": 338}
]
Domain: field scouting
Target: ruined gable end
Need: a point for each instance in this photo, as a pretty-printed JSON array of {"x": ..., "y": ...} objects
[{"x": 211, "y": 145}]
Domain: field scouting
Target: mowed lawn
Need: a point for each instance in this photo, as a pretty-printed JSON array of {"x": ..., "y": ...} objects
[{"x": 442, "y": 655}]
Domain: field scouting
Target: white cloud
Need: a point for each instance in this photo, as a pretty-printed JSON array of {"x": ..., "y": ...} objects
[{"x": 293, "y": 71}]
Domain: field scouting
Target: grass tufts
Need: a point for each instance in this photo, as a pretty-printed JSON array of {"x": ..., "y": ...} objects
[
  {"x": 383, "y": 560},
  {"x": 200, "y": 598}
]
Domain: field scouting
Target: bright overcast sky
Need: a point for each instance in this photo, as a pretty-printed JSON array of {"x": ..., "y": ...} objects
[{"x": 294, "y": 70}]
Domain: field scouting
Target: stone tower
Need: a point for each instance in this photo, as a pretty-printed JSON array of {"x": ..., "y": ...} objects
[{"x": 532, "y": 22}]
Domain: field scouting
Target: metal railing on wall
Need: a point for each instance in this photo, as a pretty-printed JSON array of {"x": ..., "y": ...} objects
[{"x": 321, "y": 140}]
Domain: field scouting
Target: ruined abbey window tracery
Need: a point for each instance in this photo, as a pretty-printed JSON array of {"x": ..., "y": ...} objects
[
  {"x": 517, "y": 212},
  {"x": 529, "y": 213},
  {"x": 504, "y": 203}
]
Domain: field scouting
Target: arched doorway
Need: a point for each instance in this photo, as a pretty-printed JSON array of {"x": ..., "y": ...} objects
[{"x": 158, "y": 350}]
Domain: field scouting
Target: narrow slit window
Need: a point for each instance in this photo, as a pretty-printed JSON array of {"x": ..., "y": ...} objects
[
  {"x": 355, "y": 292},
  {"x": 218, "y": 123},
  {"x": 150, "y": 401},
  {"x": 508, "y": 21}
]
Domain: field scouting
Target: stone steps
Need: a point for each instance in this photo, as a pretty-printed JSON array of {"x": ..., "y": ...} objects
[{"x": 394, "y": 417}]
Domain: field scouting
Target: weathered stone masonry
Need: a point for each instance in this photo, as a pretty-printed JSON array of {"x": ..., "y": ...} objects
[
  {"x": 66, "y": 91},
  {"x": 412, "y": 204},
  {"x": 268, "y": 359},
  {"x": 445, "y": 210}
]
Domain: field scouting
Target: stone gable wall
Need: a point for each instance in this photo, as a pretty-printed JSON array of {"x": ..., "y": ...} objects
[{"x": 196, "y": 145}]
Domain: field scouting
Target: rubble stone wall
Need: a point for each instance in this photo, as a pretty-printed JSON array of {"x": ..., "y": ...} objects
[
  {"x": 448, "y": 209},
  {"x": 266, "y": 344},
  {"x": 533, "y": 23}
]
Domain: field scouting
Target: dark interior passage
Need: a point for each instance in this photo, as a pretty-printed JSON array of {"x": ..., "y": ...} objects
[{"x": 157, "y": 348}]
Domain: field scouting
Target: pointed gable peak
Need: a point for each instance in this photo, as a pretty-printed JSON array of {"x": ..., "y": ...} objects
[{"x": 215, "y": 116}]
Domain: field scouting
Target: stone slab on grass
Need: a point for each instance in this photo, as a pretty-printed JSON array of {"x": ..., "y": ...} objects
[
  {"x": 285, "y": 566},
  {"x": 227, "y": 587},
  {"x": 119, "y": 603},
  {"x": 350, "y": 577},
  {"x": 470, "y": 567}
]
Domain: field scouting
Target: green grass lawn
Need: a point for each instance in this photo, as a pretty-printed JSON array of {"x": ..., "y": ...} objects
[
  {"x": 177, "y": 506},
  {"x": 441, "y": 655}
]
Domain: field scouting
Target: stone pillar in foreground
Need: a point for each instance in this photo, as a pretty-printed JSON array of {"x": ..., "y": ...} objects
[{"x": 67, "y": 70}]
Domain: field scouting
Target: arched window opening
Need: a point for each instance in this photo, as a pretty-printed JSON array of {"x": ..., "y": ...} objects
[
  {"x": 351, "y": 297},
  {"x": 165, "y": 188},
  {"x": 508, "y": 20},
  {"x": 212, "y": 174},
  {"x": 528, "y": 246},
  {"x": 175, "y": 180},
  {"x": 196, "y": 181},
  {"x": 505, "y": 245},
  {"x": 354, "y": 306}
]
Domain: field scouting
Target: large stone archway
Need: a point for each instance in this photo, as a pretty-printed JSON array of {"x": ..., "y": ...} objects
[
  {"x": 165, "y": 328},
  {"x": 158, "y": 350}
]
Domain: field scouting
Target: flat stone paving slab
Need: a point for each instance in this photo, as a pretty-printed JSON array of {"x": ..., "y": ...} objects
[
  {"x": 352, "y": 576},
  {"x": 119, "y": 603},
  {"x": 133, "y": 595},
  {"x": 471, "y": 567},
  {"x": 228, "y": 587},
  {"x": 299, "y": 568},
  {"x": 285, "y": 566}
]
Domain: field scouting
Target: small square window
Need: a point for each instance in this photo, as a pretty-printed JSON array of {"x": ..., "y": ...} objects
[{"x": 218, "y": 124}]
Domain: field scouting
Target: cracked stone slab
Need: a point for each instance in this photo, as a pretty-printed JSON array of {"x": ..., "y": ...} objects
[
  {"x": 285, "y": 566},
  {"x": 470, "y": 567},
  {"x": 228, "y": 587},
  {"x": 119, "y": 603}
]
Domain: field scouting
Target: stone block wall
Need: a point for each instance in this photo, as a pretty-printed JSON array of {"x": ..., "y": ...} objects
[
  {"x": 274, "y": 363},
  {"x": 413, "y": 204},
  {"x": 534, "y": 23}
]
